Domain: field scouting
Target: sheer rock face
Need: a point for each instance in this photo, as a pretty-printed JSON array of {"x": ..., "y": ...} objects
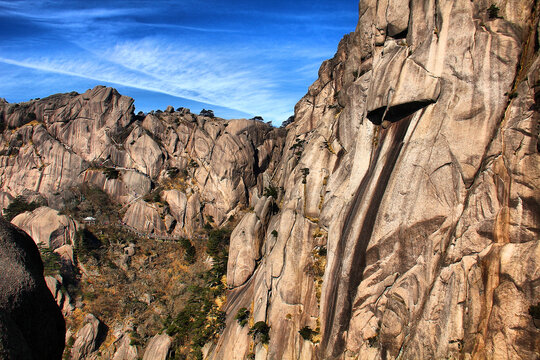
[
  {"x": 408, "y": 224},
  {"x": 52, "y": 145},
  {"x": 31, "y": 324}
]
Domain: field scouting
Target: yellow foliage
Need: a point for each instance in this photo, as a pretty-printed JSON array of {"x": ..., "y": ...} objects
[{"x": 32, "y": 123}]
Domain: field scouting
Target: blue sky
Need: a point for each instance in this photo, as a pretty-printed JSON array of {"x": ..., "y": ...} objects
[{"x": 239, "y": 58}]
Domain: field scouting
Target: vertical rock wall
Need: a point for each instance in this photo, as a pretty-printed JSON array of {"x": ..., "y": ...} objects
[{"x": 408, "y": 223}]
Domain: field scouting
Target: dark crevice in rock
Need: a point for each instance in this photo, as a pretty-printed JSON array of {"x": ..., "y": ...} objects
[
  {"x": 397, "y": 112},
  {"x": 401, "y": 35}
]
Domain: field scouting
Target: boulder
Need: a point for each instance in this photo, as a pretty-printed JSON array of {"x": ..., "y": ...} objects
[
  {"x": 124, "y": 349},
  {"x": 31, "y": 324},
  {"x": 88, "y": 338},
  {"x": 47, "y": 227}
]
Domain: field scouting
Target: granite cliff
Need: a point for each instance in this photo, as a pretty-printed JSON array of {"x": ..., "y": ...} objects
[
  {"x": 142, "y": 180},
  {"x": 409, "y": 218},
  {"x": 397, "y": 216}
]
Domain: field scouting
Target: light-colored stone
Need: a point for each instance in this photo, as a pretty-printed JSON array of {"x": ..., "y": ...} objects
[
  {"x": 158, "y": 347},
  {"x": 428, "y": 223},
  {"x": 86, "y": 338},
  {"x": 47, "y": 227},
  {"x": 145, "y": 218},
  {"x": 124, "y": 350},
  {"x": 77, "y": 139}
]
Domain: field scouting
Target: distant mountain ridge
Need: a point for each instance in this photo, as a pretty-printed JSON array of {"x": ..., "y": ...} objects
[{"x": 204, "y": 167}]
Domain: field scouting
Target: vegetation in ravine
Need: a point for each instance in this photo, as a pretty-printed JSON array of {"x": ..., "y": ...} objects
[{"x": 175, "y": 286}]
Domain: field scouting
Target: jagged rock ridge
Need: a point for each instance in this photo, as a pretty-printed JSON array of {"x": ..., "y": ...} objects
[
  {"x": 408, "y": 189},
  {"x": 199, "y": 167}
]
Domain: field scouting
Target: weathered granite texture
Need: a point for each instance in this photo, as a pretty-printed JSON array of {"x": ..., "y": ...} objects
[
  {"x": 409, "y": 218},
  {"x": 207, "y": 167}
]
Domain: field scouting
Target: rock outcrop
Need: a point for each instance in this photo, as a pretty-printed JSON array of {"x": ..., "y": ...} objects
[
  {"x": 408, "y": 224},
  {"x": 47, "y": 227},
  {"x": 31, "y": 324},
  {"x": 124, "y": 350},
  {"x": 399, "y": 218},
  {"x": 58, "y": 143},
  {"x": 61, "y": 296},
  {"x": 87, "y": 338},
  {"x": 158, "y": 347}
]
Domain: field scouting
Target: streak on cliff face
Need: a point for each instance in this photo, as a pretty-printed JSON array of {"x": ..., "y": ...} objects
[{"x": 352, "y": 246}]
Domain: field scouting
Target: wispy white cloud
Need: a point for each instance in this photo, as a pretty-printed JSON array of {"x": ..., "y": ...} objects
[
  {"x": 184, "y": 27},
  {"x": 193, "y": 74},
  {"x": 36, "y": 11},
  {"x": 258, "y": 70}
]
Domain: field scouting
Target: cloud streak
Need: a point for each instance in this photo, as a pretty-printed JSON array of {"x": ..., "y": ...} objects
[{"x": 226, "y": 62}]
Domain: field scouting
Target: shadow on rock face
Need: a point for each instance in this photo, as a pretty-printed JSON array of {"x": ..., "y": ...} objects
[
  {"x": 396, "y": 113},
  {"x": 31, "y": 324}
]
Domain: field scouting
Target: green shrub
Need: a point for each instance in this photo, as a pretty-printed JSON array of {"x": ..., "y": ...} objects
[
  {"x": 207, "y": 226},
  {"x": 242, "y": 316},
  {"x": 289, "y": 120},
  {"x": 173, "y": 172},
  {"x": 218, "y": 239},
  {"x": 153, "y": 196},
  {"x": 274, "y": 233},
  {"x": 260, "y": 332},
  {"x": 207, "y": 113},
  {"x": 190, "y": 251},
  {"x": 51, "y": 261},
  {"x": 493, "y": 11},
  {"x": 271, "y": 191},
  {"x": 373, "y": 341},
  {"x": 199, "y": 322},
  {"x": 305, "y": 173},
  {"x": 87, "y": 244},
  {"x": 190, "y": 256},
  {"x": 513, "y": 95},
  {"x": 18, "y": 206},
  {"x": 307, "y": 333},
  {"x": 111, "y": 173}
]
